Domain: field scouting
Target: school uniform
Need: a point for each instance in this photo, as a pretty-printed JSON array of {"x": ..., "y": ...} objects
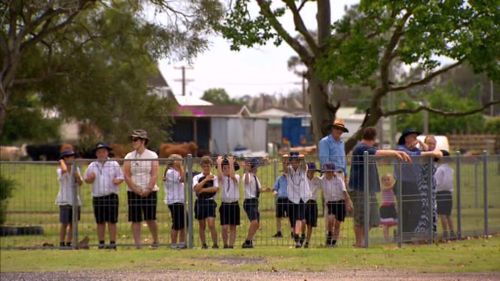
[
  {"x": 174, "y": 197},
  {"x": 333, "y": 191},
  {"x": 204, "y": 207},
  {"x": 65, "y": 195},
  {"x": 282, "y": 202},
  {"x": 311, "y": 210},
  {"x": 298, "y": 193},
  {"x": 444, "y": 188},
  {"x": 230, "y": 207},
  {"x": 104, "y": 191},
  {"x": 252, "y": 193}
]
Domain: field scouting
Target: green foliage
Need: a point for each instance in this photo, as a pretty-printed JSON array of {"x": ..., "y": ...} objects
[
  {"x": 446, "y": 99},
  {"x": 219, "y": 96},
  {"x": 461, "y": 31},
  {"x": 6, "y": 188},
  {"x": 492, "y": 126},
  {"x": 27, "y": 113}
]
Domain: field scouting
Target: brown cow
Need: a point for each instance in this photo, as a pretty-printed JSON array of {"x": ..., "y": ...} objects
[
  {"x": 120, "y": 150},
  {"x": 183, "y": 149}
]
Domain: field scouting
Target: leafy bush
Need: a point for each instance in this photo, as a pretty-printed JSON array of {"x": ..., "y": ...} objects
[{"x": 6, "y": 188}]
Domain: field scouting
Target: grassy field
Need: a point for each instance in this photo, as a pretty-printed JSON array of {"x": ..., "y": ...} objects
[
  {"x": 37, "y": 187},
  {"x": 475, "y": 255}
]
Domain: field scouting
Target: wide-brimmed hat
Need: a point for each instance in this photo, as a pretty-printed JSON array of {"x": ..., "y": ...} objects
[
  {"x": 100, "y": 145},
  {"x": 311, "y": 166},
  {"x": 295, "y": 155},
  {"x": 445, "y": 152},
  {"x": 66, "y": 153},
  {"x": 339, "y": 124},
  {"x": 406, "y": 132},
  {"x": 328, "y": 167},
  {"x": 139, "y": 133},
  {"x": 253, "y": 162}
]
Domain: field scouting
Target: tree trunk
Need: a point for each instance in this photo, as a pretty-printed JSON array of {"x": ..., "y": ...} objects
[{"x": 321, "y": 111}]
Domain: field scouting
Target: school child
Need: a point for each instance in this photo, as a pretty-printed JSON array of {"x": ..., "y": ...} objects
[
  {"x": 206, "y": 186},
  {"x": 337, "y": 200},
  {"x": 282, "y": 203},
  {"x": 105, "y": 175},
  {"x": 230, "y": 207},
  {"x": 388, "y": 214},
  {"x": 311, "y": 204},
  {"x": 298, "y": 193},
  {"x": 251, "y": 203},
  {"x": 444, "y": 198},
  {"x": 65, "y": 196},
  {"x": 173, "y": 182}
]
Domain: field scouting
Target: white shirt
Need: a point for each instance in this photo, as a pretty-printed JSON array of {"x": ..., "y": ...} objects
[
  {"x": 104, "y": 174},
  {"x": 297, "y": 185},
  {"x": 251, "y": 186},
  {"x": 230, "y": 189},
  {"x": 333, "y": 189},
  {"x": 444, "y": 178},
  {"x": 66, "y": 191},
  {"x": 141, "y": 170},
  {"x": 196, "y": 180},
  {"x": 174, "y": 188},
  {"x": 315, "y": 187}
]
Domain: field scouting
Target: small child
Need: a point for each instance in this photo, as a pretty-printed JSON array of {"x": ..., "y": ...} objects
[
  {"x": 388, "y": 214},
  {"x": 280, "y": 192},
  {"x": 65, "y": 196},
  {"x": 311, "y": 204},
  {"x": 173, "y": 182},
  {"x": 251, "y": 203},
  {"x": 230, "y": 208},
  {"x": 444, "y": 188},
  {"x": 337, "y": 202}
]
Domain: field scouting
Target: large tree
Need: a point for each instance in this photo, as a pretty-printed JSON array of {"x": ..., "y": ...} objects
[
  {"x": 90, "y": 50},
  {"x": 364, "y": 47}
]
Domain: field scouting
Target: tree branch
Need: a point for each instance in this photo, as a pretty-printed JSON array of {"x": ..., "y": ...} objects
[
  {"x": 304, "y": 54},
  {"x": 425, "y": 79},
  {"x": 301, "y": 27},
  {"x": 440, "y": 112}
]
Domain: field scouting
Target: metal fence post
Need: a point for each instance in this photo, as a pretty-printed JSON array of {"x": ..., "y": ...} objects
[
  {"x": 485, "y": 190},
  {"x": 74, "y": 207},
  {"x": 476, "y": 184},
  {"x": 189, "y": 189},
  {"x": 366, "y": 198},
  {"x": 459, "y": 196},
  {"x": 400, "y": 204},
  {"x": 430, "y": 196}
]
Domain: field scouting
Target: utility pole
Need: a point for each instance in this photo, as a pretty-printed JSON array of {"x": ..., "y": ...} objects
[
  {"x": 183, "y": 80},
  {"x": 304, "y": 92}
]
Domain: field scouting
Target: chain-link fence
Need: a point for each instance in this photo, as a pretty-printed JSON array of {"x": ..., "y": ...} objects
[{"x": 402, "y": 205}]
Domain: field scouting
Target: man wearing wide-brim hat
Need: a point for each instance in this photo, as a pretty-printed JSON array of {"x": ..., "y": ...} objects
[{"x": 331, "y": 148}]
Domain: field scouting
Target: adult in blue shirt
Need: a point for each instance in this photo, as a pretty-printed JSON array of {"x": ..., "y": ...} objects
[
  {"x": 356, "y": 181},
  {"x": 415, "y": 187},
  {"x": 331, "y": 148}
]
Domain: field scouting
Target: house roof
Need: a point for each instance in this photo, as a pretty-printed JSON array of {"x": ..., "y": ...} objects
[
  {"x": 273, "y": 113},
  {"x": 213, "y": 111},
  {"x": 191, "y": 101}
]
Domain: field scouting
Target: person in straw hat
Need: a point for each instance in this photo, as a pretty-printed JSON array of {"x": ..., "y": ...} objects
[{"x": 331, "y": 148}]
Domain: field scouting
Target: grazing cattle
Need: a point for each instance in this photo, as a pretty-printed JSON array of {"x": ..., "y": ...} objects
[
  {"x": 183, "y": 149},
  {"x": 119, "y": 150},
  {"x": 47, "y": 152},
  {"x": 12, "y": 153}
]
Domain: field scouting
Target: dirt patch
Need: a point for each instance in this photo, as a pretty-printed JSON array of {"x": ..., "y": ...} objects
[
  {"x": 342, "y": 275},
  {"x": 235, "y": 260}
]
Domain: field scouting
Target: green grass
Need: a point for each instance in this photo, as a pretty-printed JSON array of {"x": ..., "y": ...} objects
[
  {"x": 37, "y": 187},
  {"x": 476, "y": 255}
]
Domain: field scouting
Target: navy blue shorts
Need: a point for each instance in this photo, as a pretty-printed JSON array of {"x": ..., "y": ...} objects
[
  {"x": 282, "y": 207},
  {"x": 177, "y": 212},
  {"x": 337, "y": 208},
  {"x": 204, "y": 208},
  {"x": 297, "y": 212},
  {"x": 251, "y": 207},
  {"x": 230, "y": 213},
  {"x": 106, "y": 208},
  {"x": 140, "y": 208},
  {"x": 312, "y": 213},
  {"x": 66, "y": 214}
]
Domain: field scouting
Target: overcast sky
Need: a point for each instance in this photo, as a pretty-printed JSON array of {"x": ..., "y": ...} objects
[{"x": 262, "y": 69}]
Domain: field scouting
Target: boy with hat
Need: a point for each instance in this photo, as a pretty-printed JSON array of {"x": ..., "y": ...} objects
[
  {"x": 311, "y": 210},
  {"x": 338, "y": 202},
  {"x": 173, "y": 182},
  {"x": 65, "y": 196},
  {"x": 251, "y": 203},
  {"x": 298, "y": 193},
  {"x": 105, "y": 176},
  {"x": 230, "y": 207},
  {"x": 206, "y": 186}
]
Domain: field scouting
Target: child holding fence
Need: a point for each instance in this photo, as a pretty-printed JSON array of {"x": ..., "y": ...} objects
[
  {"x": 65, "y": 196},
  {"x": 311, "y": 204},
  {"x": 388, "y": 214},
  {"x": 173, "y": 182},
  {"x": 444, "y": 198},
  {"x": 251, "y": 203},
  {"x": 230, "y": 207},
  {"x": 105, "y": 176}
]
